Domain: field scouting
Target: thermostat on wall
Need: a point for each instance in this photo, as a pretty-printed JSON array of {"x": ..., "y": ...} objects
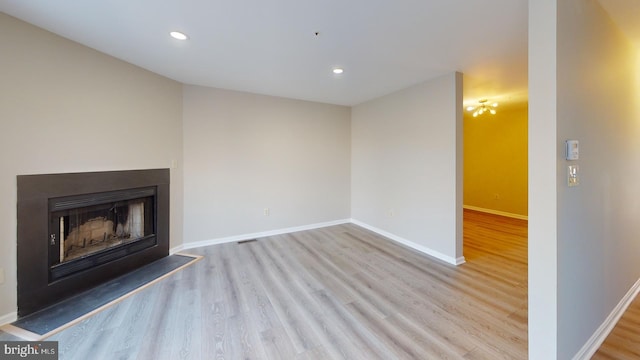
[{"x": 572, "y": 150}]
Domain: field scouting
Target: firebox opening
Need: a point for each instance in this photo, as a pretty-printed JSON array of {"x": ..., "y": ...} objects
[
  {"x": 91, "y": 229},
  {"x": 88, "y": 230}
]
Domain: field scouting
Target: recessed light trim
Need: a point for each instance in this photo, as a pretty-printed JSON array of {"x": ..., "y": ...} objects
[
  {"x": 338, "y": 71},
  {"x": 178, "y": 35}
]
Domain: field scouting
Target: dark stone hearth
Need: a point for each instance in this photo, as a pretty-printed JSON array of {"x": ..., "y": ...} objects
[
  {"x": 41, "y": 284},
  {"x": 69, "y": 310}
]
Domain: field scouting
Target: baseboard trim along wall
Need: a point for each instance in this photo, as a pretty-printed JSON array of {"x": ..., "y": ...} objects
[
  {"x": 8, "y": 318},
  {"x": 243, "y": 237},
  {"x": 598, "y": 337},
  {"x": 496, "y": 212},
  {"x": 422, "y": 249},
  {"x": 411, "y": 244}
]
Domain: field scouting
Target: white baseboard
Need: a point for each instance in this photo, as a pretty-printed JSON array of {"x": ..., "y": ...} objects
[
  {"x": 496, "y": 212},
  {"x": 243, "y": 237},
  {"x": 596, "y": 340},
  {"x": 8, "y": 318},
  {"x": 422, "y": 249},
  {"x": 411, "y": 244}
]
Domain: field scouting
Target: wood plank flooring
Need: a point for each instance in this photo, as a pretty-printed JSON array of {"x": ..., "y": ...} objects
[
  {"x": 340, "y": 292},
  {"x": 623, "y": 343},
  {"x": 9, "y": 337}
]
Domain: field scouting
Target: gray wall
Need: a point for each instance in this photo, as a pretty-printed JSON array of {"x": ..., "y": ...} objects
[
  {"x": 407, "y": 165},
  {"x": 245, "y": 152},
  {"x": 67, "y": 108},
  {"x": 598, "y": 227},
  {"x": 583, "y": 241}
]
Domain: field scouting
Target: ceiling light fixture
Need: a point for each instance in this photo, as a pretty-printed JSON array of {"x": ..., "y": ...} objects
[
  {"x": 178, "y": 35},
  {"x": 483, "y": 108},
  {"x": 338, "y": 71}
]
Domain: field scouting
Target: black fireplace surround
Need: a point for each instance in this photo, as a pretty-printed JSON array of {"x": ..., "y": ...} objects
[{"x": 49, "y": 270}]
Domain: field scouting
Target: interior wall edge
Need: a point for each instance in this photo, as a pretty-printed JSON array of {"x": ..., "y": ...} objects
[
  {"x": 600, "y": 335},
  {"x": 8, "y": 318},
  {"x": 421, "y": 248}
]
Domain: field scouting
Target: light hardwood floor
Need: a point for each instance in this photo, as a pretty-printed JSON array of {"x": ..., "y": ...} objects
[
  {"x": 623, "y": 343},
  {"x": 334, "y": 293}
]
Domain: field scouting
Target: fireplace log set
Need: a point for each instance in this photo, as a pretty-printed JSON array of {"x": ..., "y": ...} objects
[{"x": 87, "y": 232}]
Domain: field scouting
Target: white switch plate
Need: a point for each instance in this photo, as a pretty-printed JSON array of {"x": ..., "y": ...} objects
[{"x": 572, "y": 176}]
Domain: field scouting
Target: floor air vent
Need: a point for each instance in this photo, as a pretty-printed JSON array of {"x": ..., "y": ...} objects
[{"x": 246, "y": 241}]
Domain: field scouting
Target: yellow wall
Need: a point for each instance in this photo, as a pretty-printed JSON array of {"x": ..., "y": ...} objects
[{"x": 495, "y": 160}]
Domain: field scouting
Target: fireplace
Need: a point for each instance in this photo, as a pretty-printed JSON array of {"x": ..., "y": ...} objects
[
  {"x": 92, "y": 229},
  {"x": 78, "y": 230}
]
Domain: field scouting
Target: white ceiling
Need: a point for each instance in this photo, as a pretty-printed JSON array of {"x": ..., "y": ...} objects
[{"x": 269, "y": 47}]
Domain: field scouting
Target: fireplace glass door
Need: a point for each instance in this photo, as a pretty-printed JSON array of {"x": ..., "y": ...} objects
[{"x": 84, "y": 230}]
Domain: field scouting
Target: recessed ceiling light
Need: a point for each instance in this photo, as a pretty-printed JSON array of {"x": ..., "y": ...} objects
[
  {"x": 178, "y": 35},
  {"x": 338, "y": 71}
]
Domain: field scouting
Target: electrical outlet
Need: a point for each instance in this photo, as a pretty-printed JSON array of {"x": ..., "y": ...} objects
[
  {"x": 1, "y": 276},
  {"x": 266, "y": 211},
  {"x": 391, "y": 213}
]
